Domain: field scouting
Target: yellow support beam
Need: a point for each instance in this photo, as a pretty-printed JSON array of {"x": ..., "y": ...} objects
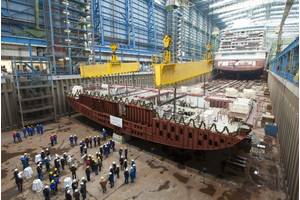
[
  {"x": 98, "y": 70},
  {"x": 168, "y": 74}
]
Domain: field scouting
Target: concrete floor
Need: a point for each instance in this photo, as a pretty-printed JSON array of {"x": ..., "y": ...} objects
[{"x": 159, "y": 176}]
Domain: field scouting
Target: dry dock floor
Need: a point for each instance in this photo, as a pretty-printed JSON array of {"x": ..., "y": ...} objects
[{"x": 158, "y": 176}]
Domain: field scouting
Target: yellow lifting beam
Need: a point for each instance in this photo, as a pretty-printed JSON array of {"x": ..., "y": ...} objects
[
  {"x": 168, "y": 73},
  {"x": 110, "y": 68}
]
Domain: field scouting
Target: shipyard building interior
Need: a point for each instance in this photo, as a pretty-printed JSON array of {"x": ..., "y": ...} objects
[{"x": 150, "y": 99}]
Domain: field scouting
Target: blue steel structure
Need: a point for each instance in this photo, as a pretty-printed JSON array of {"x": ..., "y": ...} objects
[
  {"x": 286, "y": 63},
  {"x": 138, "y": 26}
]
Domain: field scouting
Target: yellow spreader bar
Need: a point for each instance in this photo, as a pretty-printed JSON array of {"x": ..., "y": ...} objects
[
  {"x": 98, "y": 70},
  {"x": 168, "y": 74}
]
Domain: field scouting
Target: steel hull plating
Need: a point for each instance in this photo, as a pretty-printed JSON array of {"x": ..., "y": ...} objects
[{"x": 143, "y": 123}]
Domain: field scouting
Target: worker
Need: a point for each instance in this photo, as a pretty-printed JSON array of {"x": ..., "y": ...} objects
[
  {"x": 91, "y": 141},
  {"x": 121, "y": 160},
  {"x": 81, "y": 146},
  {"x": 18, "y": 136},
  {"x": 96, "y": 167},
  {"x": 132, "y": 162},
  {"x": 113, "y": 145},
  {"x": 43, "y": 155},
  {"x": 75, "y": 139},
  {"x": 88, "y": 173},
  {"x": 55, "y": 139},
  {"x": 95, "y": 141},
  {"x": 111, "y": 179},
  {"x": 16, "y": 172},
  {"x": 42, "y": 129},
  {"x": 47, "y": 152},
  {"x": 28, "y": 130},
  {"x": 103, "y": 184},
  {"x": 83, "y": 190},
  {"x": 63, "y": 163},
  {"x": 120, "y": 152},
  {"x": 24, "y": 161},
  {"x": 37, "y": 127},
  {"x": 101, "y": 150},
  {"x": 19, "y": 182},
  {"x": 33, "y": 130},
  {"x": 56, "y": 179},
  {"x": 104, "y": 133},
  {"x": 125, "y": 153},
  {"x": 76, "y": 194},
  {"x": 134, "y": 169},
  {"x": 87, "y": 142},
  {"x": 73, "y": 170},
  {"x": 57, "y": 164},
  {"x": 24, "y": 132},
  {"x": 85, "y": 149},
  {"x": 39, "y": 170},
  {"x": 68, "y": 195},
  {"x": 114, "y": 167},
  {"x": 14, "y": 137},
  {"x": 50, "y": 175},
  {"x": 47, "y": 163},
  {"x": 132, "y": 174},
  {"x": 52, "y": 140},
  {"x": 74, "y": 185},
  {"x": 98, "y": 140},
  {"x": 126, "y": 175},
  {"x": 99, "y": 163},
  {"x": 71, "y": 140},
  {"x": 83, "y": 180},
  {"x": 53, "y": 187},
  {"x": 125, "y": 164},
  {"x": 111, "y": 170},
  {"x": 46, "y": 192},
  {"x": 118, "y": 171}
]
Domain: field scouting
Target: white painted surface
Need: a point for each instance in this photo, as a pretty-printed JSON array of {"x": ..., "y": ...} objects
[{"x": 116, "y": 121}]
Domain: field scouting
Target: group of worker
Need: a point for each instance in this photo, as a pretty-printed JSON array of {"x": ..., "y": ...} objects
[
  {"x": 93, "y": 165},
  {"x": 28, "y": 131},
  {"x": 88, "y": 141},
  {"x": 73, "y": 140}
]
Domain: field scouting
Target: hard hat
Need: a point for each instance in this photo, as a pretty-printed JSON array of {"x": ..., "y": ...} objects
[{"x": 16, "y": 170}]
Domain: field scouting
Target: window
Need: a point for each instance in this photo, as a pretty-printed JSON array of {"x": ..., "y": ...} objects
[
  {"x": 160, "y": 133},
  {"x": 190, "y": 135},
  {"x": 205, "y": 137},
  {"x": 176, "y": 137},
  {"x": 216, "y": 144},
  {"x": 157, "y": 125},
  {"x": 181, "y": 131},
  {"x": 168, "y": 135},
  {"x": 199, "y": 142},
  {"x": 210, "y": 142},
  {"x": 222, "y": 140}
]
